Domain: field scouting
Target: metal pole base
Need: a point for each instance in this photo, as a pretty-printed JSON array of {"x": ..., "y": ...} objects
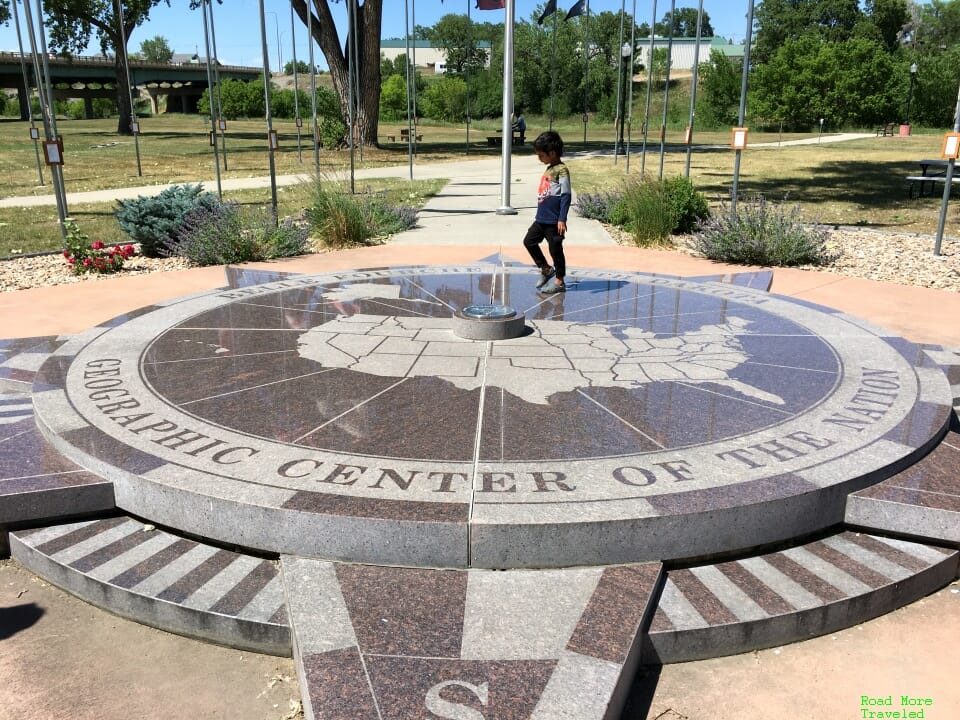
[{"x": 506, "y": 210}]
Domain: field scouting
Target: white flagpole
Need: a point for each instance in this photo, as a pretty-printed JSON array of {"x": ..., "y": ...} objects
[{"x": 507, "y": 147}]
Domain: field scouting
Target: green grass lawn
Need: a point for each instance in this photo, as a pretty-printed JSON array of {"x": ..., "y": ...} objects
[{"x": 851, "y": 183}]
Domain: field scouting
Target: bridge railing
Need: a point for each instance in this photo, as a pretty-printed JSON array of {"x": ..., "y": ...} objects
[{"x": 109, "y": 60}]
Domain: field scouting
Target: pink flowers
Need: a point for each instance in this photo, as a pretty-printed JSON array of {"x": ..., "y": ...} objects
[{"x": 84, "y": 256}]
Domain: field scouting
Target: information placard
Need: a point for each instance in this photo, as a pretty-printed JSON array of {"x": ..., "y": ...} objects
[
  {"x": 273, "y": 141},
  {"x": 738, "y": 138},
  {"x": 53, "y": 152},
  {"x": 951, "y": 146}
]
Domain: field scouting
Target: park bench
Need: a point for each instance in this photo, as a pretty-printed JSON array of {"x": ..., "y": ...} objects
[
  {"x": 404, "y": 136},
  {"x": 885, "y": 130}
]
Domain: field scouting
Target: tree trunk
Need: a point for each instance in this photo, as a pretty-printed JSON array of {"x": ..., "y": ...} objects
[
  {"x": 369, "y": 17},
  {"x": 123, "y": 96}
]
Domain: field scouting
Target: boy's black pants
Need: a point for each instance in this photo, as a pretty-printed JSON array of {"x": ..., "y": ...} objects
[{"x": 531, "y": 241}]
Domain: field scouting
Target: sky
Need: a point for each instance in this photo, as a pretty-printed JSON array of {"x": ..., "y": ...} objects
[{"x": 236, "y": 23}]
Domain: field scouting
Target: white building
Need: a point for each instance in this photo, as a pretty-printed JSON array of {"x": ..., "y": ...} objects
[
  {"x": 683, "y": 50},
  {"x": 423, "y": 53}
]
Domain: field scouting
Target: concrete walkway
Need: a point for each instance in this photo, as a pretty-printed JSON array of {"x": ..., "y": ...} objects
[{"x": 73, "y": 661}]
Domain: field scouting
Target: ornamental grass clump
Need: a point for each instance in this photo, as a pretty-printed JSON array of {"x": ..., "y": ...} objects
[
  {"x": 228, "y": 233},
  {"x": 763, "y": 233},
  {"x": 341, "y": 219},
  {"x": 84, "y": 256}
]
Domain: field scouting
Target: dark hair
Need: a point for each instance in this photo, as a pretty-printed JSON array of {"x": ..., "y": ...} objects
[{"x": 548, "y": 142}]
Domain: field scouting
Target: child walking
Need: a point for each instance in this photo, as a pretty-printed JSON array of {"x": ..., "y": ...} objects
[{"x": 550, "y": 223}]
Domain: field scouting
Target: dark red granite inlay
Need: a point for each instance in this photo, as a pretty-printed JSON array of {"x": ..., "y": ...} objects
[
  {"x": 850, "y": 566},
  {"x": 329, "y": 504},
  {"x": 107, "y": 448},
  {"x": 937, "y": 472},
  {"x": 762, "y": 595},
  {"x": 18, "y": 374},
  {"x": 41, "y": 483},
  {"x": 337, "y": 686},
  {"x": 611, "y": 621},
  {"x": 429, "y": 689},
  {"x": 923, "y": 421},
  {"x": 702, "y": 599},
  {"x": 405, "y": 611},
  {"x": 108, "y": 552},
  {"x": 803, "y": 577},
  {"x": 904, "y": 560},
  {"x": 660, "y": 622},
  {"x": 142, "y": 570},
  {"x": 51, "y": 547},
  {"x": 198, "y": 577},
  {"x": 908, "y": 496},
  {"x": 246, "y": 590}
]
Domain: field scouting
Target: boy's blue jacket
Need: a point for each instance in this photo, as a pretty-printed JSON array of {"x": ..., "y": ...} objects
[{"x": 554, "y": 195}]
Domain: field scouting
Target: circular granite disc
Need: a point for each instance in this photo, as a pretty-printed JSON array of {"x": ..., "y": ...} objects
[{"x": 641, "y": 417}]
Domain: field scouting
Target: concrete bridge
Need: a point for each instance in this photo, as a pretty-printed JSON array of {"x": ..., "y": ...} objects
[{"x": 89, "y": 77}]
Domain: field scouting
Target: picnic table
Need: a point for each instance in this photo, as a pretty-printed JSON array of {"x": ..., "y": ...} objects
[
  {"x": 929, "y": 176},
  {"x": 495, "y": 140}
]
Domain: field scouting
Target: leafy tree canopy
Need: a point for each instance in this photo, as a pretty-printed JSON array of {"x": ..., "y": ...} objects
[
  {"x": 156, "y": 50},
  {"x": 459, "y": 37},
  {"x": 684, "y": 22},
  {"x": 778, "y": 21}
]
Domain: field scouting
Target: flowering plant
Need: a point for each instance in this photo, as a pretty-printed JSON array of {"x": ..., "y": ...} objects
[{"x": 84, "y": 256}]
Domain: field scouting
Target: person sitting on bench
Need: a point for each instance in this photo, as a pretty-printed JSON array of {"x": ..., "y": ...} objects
[{"x": 520, "y": 126}]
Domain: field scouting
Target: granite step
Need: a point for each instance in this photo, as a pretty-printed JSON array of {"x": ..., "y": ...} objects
[
  {"x": 162, "y": 580},
  {"x": 386, "y": 643},
  {"x": 36, "y": 482},
  {"x": 921, "y": 502},
  {"x": 20, "y": 358},
  {"x": 812, "y": 589}
]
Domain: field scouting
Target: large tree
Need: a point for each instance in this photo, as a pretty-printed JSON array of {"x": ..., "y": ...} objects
[
  {"x": 778, "y": 21},
  {"x": 72, "y": 24},
  {"x": 156, "y": 50},
  {"x": 339, "y": 58},
  {"x": 684, "y": 22},
  {"x": 458, "y": 36}
]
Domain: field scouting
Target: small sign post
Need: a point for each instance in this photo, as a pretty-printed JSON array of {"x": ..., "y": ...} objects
[
  {"x": 53, "y": 152},
  {"x": 951, "y": 146},
  {"x": 738, "y": 138},
  {"x": 273, "y": 141}
]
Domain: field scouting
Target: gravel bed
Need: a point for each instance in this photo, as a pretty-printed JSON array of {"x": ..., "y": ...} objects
[{"x": 898, "y": 258}]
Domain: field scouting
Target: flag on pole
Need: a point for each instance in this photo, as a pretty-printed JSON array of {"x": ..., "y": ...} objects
[
  {"x": 547, "y": 11},
  {"x": 491, "y": 4},
  {"x": 577, "y": 9}
]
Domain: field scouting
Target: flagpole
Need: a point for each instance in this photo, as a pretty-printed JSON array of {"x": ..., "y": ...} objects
[
  {"x": 741, "y": 117},
  {"x": 466, "y": 68},
  {"x": 633, "y": 48},
  {"x": 693, "y": 87},
  {"x": 616, "y": 140},
  {"x": 553, "y": 65},
  {"x": 313, "y": 93},
  {"x": 646, "y": 111},
  {"x": 507, "y": 126},
  {"x": 666, "y": 88},
  {"x": 586, "y": 71},
  {"x": 406, "y": 21}
]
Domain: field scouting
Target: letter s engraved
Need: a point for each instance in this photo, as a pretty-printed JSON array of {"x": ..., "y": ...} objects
[{"x": 455, "y": 711}]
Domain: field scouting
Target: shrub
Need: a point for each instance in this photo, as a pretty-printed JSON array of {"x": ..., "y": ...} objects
[
  {"x": 341, "y": 220},
  {"x": 227, "y": 233},
  {"x": 84, "y": 256},
  {"x": 763, "y": 233},
  {"x": 598, "y": 206},
  {"x": 155, "y": 221},
  {"x": 651, "y": 210},
  {"x": 689, "y": 206}
]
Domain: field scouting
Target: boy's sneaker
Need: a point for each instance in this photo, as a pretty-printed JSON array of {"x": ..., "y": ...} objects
[
  {"x": 545, "y": 275},
  {"x": 553, "y": 288}
]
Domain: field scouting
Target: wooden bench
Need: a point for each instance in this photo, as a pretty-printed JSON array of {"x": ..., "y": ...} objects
[
  {"x": 405, "y": 135},
  {"x": 885, "y": 130}
]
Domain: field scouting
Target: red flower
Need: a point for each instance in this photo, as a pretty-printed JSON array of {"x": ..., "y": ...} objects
[
  {"x": 87, "y": 262},
  {"x": 66, "y": 254},
  {"x": 128, "y": 251},
  {"x": 96, "y": 245}
]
